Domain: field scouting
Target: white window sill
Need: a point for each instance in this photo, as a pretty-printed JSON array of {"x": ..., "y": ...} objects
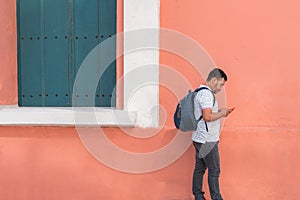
[{"x": 66, "y": 116}]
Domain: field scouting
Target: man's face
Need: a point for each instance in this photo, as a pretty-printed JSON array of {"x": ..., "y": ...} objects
[{"x": 217, "y": 84}]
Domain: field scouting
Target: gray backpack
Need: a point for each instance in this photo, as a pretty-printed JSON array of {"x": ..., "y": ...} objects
[{"x": 184, "y": 118}]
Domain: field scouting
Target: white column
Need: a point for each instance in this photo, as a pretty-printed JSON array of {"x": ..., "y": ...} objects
[{"x": 141, "y": 66}]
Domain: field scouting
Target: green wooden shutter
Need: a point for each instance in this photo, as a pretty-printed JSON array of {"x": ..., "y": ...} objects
[{"x": 54, "y": 37}]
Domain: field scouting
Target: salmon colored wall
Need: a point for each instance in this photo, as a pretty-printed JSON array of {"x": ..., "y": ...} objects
[
  {"x": 259, "y": 148},
  {"x": 257, "y": 44},
  {"x": 51, "y": 163},
  {"x": 8, "y": 49}
]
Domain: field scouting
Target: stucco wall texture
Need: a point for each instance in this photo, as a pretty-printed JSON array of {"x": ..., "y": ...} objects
[{"x": 256, "y": 43}]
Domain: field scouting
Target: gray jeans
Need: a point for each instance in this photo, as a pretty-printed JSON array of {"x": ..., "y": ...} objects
[{"x": 207, "y": 157}]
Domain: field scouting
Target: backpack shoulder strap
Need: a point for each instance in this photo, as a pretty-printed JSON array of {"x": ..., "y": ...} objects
[{"x": 205, "y": 88}]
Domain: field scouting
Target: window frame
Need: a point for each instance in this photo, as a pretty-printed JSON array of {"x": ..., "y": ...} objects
[{"x": 127, "y": 113}]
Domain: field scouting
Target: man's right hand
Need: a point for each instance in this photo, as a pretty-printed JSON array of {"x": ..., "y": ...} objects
[{"x": 225, "y": 112}]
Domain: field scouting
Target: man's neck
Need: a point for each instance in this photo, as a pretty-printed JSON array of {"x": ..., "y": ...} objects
[{"x": 207, "y": 84}]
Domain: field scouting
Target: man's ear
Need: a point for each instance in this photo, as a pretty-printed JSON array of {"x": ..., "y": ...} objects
[{"x": 214, "y": 80}]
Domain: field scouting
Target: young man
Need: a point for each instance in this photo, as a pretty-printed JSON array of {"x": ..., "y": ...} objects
[{"x": 206, "y": 137}]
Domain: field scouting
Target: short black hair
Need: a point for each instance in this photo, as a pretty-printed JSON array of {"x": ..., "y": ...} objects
[{"x": 217, "y": 73}]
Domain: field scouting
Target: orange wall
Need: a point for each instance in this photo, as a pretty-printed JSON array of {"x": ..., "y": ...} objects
[
  {"x": 255, "y": 42},
  {"x": 8, "y": 49}
]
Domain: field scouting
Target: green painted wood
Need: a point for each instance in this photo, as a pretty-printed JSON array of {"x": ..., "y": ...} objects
[
  {"x": 56, "y": 52},
  {"x": 85, "y": 32},
  {"x": 106, "y": 88},
  {"x": 54, "y": 37},
  {"x": 30, "y": 53}
]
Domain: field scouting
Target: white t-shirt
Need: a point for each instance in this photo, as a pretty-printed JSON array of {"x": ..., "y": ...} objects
[{"x": 205, "y": 99}]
